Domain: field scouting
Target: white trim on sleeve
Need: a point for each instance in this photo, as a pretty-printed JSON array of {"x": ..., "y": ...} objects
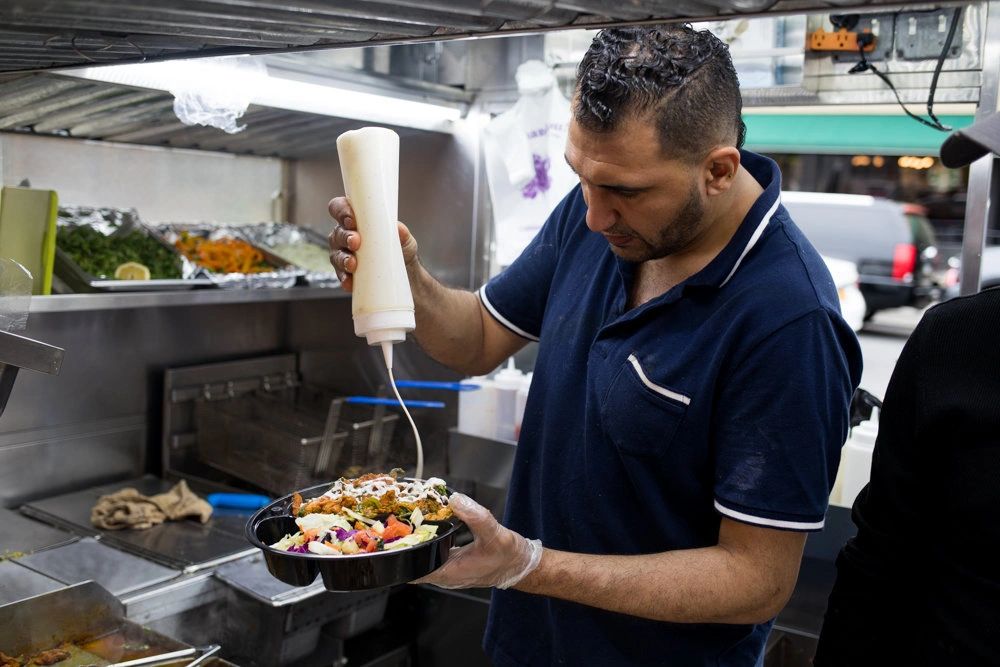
[
  {"x": 770, "y": 523},
  {"x": 501, "y": 319},
  {"x": 662, "y": 391}
]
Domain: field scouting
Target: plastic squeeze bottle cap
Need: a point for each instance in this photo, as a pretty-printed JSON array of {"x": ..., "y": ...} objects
[
  {"x": 508, "y": 377},
  {"x": 382, "y": 305}
]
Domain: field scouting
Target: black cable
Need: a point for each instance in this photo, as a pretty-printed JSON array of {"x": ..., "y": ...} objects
[
  {"x": 940, "y": 63},
  {"x": 864, "y": 65}
]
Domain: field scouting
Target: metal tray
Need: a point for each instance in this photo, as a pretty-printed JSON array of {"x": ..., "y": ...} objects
[
  {"x": 355, "y": 572},
  {"x": 111, "y": 221},
  {"x": 270, "y": 234},
  {"x": 284, "y": 275}
]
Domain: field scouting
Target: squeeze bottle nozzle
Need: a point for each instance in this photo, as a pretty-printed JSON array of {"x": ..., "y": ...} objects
[{"x": 387, "y": 354}]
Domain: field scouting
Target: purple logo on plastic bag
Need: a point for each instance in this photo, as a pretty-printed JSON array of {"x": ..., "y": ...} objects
[{"x": 541, "y": 182}]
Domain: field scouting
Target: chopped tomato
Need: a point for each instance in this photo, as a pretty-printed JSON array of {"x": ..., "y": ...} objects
[
  {"x": 367, "y": 540},
  {"x": 395, "y": 528}
]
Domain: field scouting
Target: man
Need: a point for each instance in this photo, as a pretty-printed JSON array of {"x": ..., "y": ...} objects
[
  {"x": 919, "y": 584},
  {"x": 691, "y": 391}
]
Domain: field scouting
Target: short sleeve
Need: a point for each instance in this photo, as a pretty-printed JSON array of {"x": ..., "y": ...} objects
[
  {"x": 783, "y": 418},
  {"x": 516, "y": 298}
]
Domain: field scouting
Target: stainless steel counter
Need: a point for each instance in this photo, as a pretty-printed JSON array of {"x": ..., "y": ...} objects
[
  {"x": 89, "y": 560},
  {"x": 116, "y": 301},
  {"x": 22, "y": 536},
  {"x": 18, "y": 582},
  {"x": 183, "y": 545}
]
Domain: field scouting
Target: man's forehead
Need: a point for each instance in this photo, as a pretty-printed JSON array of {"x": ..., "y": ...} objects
[{"x": 634, "y": 145}]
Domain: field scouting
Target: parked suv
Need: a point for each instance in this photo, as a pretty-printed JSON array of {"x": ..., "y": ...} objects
[
  {"x": 891, "y": 243},
  {"x": 989, "y": 272}
]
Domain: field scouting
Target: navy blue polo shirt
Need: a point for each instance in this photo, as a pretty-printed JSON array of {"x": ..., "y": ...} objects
[{"x": 726, "y": 396}]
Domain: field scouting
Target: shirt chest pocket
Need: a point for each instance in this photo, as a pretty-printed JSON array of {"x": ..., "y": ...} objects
[{"x": 640, "y": 416}]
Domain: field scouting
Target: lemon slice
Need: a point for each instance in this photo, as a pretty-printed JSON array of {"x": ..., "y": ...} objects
[{"x": 132, "y": 271}]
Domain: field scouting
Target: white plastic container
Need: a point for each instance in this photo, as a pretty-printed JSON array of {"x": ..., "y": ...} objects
[
  {"x": 856, "y": 460},
  {"x": 382, "y": 304},
  {"x": 521, "y": 401},
  {"x": 507, "y": 383},
  {"x": 477, "y": 409}
]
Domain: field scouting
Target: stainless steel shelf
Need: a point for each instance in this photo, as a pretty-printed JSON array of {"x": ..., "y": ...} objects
[{"x": 77, "y": 302}]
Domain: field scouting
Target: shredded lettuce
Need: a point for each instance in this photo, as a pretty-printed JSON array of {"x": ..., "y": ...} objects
[
  {"x": 321, "y": 549},
  {"x": 322, "y": 522},
  {"x": 354, "y": 515}
]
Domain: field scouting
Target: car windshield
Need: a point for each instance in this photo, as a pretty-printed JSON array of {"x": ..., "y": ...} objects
[
  {"x": 850, "y": 231},
  {"x": 922, "y": 230}
]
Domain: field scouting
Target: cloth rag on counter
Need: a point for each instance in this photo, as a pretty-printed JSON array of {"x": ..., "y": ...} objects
[{"x": 130, "y": 509}]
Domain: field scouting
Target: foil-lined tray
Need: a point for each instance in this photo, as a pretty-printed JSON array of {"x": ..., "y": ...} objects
[
  {"x": 283, "y": 275},
  {"x": 273, "y": 236},
  {"x": 116, "y": 222}
]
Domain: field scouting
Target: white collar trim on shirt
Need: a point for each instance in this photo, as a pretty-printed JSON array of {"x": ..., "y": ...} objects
[{"x": 754, "y": 238}]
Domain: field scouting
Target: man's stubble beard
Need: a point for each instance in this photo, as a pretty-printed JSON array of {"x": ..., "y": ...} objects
[{"x": 676, "y": 236}]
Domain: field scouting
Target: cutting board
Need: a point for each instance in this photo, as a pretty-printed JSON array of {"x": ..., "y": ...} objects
[{"x": 28, "y": 232}]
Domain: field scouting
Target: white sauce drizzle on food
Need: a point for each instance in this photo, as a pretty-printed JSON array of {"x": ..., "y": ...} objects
[{"x": 406, "y": 490}]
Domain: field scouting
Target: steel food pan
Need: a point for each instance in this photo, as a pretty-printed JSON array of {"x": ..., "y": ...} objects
[
  {"x": 272, "y": 235},
  {"x": 114, "y": 223},
  {"x": 344, "y": 573},
  {"x": 281, "y": 275}
]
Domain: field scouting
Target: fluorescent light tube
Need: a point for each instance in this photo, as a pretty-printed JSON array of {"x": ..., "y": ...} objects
[{"x": 213, "y": 75}]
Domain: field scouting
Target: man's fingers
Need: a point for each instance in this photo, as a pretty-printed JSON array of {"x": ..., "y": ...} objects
[
  {"x": 342, "y": 238},
  {"x": 472, "y": 513},
  {"x": 435, "y": 577},
  {"x": 404, "y": 233},
  {"x": 340, "y": 210},
  {"x": 343, "y": 262}
]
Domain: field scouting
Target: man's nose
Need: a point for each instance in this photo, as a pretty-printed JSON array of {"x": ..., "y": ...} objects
[{"x": 600, "y": 215}]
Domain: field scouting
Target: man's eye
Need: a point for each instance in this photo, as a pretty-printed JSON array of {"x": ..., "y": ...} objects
[{"x": 628, "y": 194}]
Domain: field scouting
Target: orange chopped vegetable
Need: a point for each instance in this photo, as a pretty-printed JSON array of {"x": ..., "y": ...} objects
[
  {"x": 395, "y": 528},
  {"x": 367, "y": 540},
  {"x": 223, "y": 255}
]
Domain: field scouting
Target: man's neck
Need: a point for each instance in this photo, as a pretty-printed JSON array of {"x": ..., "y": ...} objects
[{"x": 657, "y": 276}]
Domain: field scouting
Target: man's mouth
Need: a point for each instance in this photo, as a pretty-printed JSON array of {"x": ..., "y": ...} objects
[{"x": 619, "y": 240}]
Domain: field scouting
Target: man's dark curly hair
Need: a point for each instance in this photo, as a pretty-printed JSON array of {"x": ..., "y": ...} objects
[{"x": 683, "y": 77}]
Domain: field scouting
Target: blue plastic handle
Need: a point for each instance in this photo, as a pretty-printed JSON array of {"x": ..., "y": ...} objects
[
  {"x": 373, "y": 400},
  {"x": 238, "y": 501},
  {"x": 427, "y": 384}
]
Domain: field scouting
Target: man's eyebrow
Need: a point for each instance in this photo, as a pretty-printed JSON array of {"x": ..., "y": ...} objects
[{"x": 617, "y": 187}]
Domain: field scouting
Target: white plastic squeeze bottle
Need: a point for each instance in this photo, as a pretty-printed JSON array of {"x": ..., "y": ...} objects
[{"x": 382, "y": 304}]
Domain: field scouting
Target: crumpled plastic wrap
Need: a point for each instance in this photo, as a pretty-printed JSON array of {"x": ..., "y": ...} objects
[
  {"x": 116, "y": 222},
  {"x": 15, "y": 295},
  {"x": 284, "y": 276},
  {"x": 216, "y": 91},
  {"x": 270, "y": 235}
]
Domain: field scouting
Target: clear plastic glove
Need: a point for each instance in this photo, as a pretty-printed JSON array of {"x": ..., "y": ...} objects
[{"x": 498, "y": 557}]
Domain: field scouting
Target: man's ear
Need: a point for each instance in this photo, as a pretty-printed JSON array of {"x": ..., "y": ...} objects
[{"x": 720, "y": 167}]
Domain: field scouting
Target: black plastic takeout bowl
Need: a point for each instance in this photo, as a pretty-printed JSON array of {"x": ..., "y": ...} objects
[{"x": 344, "y": 573}]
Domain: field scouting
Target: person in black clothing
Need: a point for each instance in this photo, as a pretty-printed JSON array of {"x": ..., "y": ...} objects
[{"x": 920, "y": 583}]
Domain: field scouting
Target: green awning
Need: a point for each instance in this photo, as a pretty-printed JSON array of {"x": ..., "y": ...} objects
[{"x": 846, "y": 134}]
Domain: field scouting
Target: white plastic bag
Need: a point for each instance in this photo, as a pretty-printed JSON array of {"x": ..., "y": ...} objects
[{"x": 215, "y": 91}]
